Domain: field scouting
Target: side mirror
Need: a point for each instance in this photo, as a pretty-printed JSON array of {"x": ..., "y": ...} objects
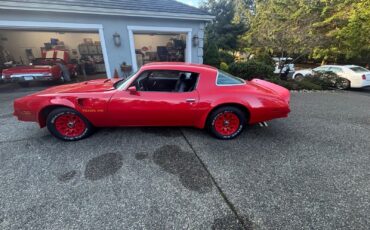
[{"x": 132, "y": 90}]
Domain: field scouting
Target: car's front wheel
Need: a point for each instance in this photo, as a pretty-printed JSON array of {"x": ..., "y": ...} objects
[
  {"x": 68, "y": 124},
  {"x": 226, "y": 122}
]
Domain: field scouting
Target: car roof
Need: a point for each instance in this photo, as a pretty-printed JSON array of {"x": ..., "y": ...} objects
[
  {"x": 330, "y": 66},
  {"x": 348, "y": 66},
  {"x": 165, "y": 65}
]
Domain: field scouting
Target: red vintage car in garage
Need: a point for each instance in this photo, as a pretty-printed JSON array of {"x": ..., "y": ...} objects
[
  {"x": 54, "y": 66},
  {"x": 159, "y": 94}
]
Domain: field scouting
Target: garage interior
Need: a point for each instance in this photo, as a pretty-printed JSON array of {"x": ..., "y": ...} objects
[
  {"x": 159, "y": 47},
  {"x": 21, "y": 47}
]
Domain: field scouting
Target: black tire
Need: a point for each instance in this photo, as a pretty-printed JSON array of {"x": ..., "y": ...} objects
[
  {"x": 61, "y": 80},
  {"x": 74, "y": 75},
  {"x": 53, "y": 115},
  {"x": 24, "y": 84},
  {"x": 211, "y": 122},
  {"x": 343, "y": 84},
  {"x": 298, "y": 77}
]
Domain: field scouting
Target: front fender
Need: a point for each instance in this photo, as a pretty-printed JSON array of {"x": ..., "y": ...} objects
[{"x": 51, "y": 104}]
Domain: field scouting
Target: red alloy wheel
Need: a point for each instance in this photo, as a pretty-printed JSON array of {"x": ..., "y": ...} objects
[
  {"x": 70, "y": 125},
  {"x": 227, "y": 123}
]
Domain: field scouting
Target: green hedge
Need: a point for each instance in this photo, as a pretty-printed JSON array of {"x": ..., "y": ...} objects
[
  {"x": 251, "y": 69},
  {"x": 318, "y": 81},
  {"x": 226, "y": 57}
]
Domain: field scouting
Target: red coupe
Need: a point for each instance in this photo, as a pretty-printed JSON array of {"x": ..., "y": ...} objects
[
  {"x": 54, "y": 66},
  {"x": 159, "y": 94}
]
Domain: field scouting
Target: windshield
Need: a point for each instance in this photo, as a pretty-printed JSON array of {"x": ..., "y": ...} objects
[
  {"x": 122, "y": 83},
  {"x": 359, "y": 69}
]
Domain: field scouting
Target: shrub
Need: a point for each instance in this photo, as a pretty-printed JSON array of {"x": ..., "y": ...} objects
[
  {"x": 309, "y": 85},
  {"x": 251, "y": 69},
  {"x": 224, "y": 67},
  {"x": 226, "y": 57},
  {"x": 212, "y": 55},
  {"x": 327, "y": 80},
  {"x": 264, "y": 58},
  {"x": 318, "y": 81}
]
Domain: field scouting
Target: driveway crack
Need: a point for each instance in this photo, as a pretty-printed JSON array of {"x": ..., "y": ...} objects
[{"x": 220, "y": 191}]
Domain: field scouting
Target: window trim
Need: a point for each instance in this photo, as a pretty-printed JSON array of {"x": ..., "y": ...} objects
[
  {"x": 151, "y": 70},
  {"x": 335, "y": 67},
  {"x": 243, "y": 81}
]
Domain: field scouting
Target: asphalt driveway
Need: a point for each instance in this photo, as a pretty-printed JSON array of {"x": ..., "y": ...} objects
[{"x": 310, "y": 171}]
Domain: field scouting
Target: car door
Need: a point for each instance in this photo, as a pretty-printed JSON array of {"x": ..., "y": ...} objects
[
  {"x": 337, "y": 70},
  {"x": 153, "y": 108}
]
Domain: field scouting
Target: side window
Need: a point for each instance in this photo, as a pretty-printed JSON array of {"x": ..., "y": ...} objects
[
  {"x": 335, "y": 70},
  {"x": 321, "y": 69},
  {"x": 228, "y": 79},
  {"x": 166, "y": 81}
]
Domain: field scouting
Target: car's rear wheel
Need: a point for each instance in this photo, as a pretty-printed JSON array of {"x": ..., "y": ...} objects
[
  {"x": 298, "y": 77},
  {"x": 226, "y": 122},
  {"x": 343, "y": 84},
  {"x": 68, "y": 124}
]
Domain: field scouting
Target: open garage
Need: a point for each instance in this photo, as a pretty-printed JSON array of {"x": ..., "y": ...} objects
[
  {"x": 61, "y": 55},
  {"x": 101, "y": 39}
]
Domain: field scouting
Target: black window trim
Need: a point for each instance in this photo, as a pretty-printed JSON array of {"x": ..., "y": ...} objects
[{"x": 195, "y": 88}]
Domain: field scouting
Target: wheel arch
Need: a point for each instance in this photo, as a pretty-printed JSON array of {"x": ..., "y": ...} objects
[
  {"x": 240, "y": 106},
  {"x": 45, "y": 111}
]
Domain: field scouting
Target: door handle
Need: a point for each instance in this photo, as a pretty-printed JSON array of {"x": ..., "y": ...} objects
[{"x": 190, "y": 100}]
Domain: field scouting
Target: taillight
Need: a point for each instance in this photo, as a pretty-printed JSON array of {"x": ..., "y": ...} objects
[{"x": 364, "y": 77}]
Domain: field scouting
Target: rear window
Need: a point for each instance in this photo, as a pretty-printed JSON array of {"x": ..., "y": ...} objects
[
  {"x": 359, "y": 69},
  {"x": 228, "y": 79}
]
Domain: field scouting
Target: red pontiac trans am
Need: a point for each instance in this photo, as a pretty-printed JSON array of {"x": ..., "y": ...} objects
[{"x": 159, "y": 94}]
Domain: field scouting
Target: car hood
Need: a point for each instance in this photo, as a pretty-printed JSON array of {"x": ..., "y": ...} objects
[
  {"x": 100, "y": 85},
  {"x": 27, "y": 69},
  {"x": 265, "y": 87}
]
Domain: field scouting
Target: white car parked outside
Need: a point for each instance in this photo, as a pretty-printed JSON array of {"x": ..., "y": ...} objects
[{"x": 357, "y": 76}]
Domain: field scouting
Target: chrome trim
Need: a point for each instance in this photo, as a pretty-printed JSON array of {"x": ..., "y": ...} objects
[{"x": 30, "y": 75}]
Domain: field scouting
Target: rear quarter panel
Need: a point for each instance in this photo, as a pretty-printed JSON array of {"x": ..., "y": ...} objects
[{"x": 261, "y": 106}]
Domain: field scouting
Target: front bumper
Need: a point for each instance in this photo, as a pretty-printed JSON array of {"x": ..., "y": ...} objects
[{"x": 23, "y": 112}]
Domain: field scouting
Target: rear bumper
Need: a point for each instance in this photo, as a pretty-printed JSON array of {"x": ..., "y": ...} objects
[
  {"x": 267, "y": 114},
  {"x": 360, "y": 84},
  {"x": 30, "y": 78}
]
